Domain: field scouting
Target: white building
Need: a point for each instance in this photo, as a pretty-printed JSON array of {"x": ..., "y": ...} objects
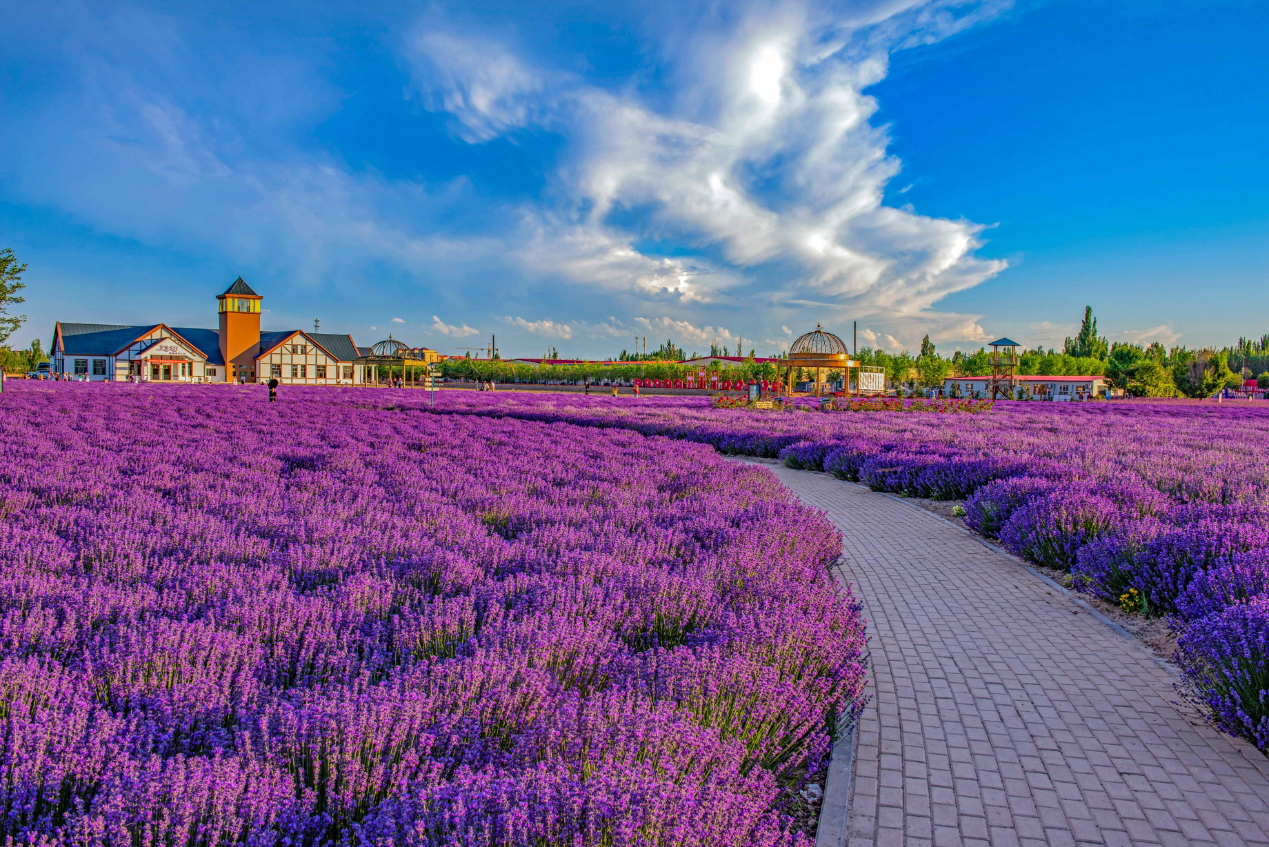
[
  {"x": 236, "y": 351},
  {"x": 1031, "y": 387}
]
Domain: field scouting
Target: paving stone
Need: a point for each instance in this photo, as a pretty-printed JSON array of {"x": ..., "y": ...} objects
[{"x": 1003, "y": 712}]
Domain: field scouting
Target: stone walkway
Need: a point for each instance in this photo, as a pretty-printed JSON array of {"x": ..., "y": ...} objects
[{"x": 1005, "y": 713}]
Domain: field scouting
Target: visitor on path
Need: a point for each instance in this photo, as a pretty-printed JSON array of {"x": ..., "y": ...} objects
[
  {"x": 636, "y": 390},
  {"x": 273, "y": 389},
  {"x": 614, "y": 391}
]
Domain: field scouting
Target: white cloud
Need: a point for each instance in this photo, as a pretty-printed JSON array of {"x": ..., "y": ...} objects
[
  {"x": 1164, "y": 334},
  {"x": 462, "y": 331},
  {"x": 398, "y": 320},
  {"x": 546, "y": 328},
  {"x": 681, "y": 331},
  {"x": 767, "y": 162}
]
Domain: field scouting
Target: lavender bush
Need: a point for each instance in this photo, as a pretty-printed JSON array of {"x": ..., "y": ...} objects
[
  {"x": 324, "y": 621},
  {"x": 1225, "y": 658}
]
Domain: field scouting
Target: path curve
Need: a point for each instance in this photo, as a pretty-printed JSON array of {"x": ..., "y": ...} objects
[{"x": 1006, "y": 713}]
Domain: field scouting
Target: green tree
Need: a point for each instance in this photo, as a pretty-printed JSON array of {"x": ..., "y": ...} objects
[
  {"x": 932, "y": 370},
  {"x": 1151, "y": 379},
  {"x": 10, "y": 284},
  {"x": 927, "y": 347},
  {"x": 1122, "y": 363},
  {"x": 1087, "y": 343}
]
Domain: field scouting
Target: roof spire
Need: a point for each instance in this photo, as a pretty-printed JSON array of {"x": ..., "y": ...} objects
[{"x": 240, "y": 289}]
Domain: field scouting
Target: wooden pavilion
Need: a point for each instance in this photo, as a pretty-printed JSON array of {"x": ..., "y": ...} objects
[
  {"x": 391, "y": 354},
  {"x": 820, "y": 351}
]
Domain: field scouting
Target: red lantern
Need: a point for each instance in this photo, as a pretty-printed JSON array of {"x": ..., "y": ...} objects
[
  {"x": 678, "y": 383},
  {"x": 638, "y": 383}
]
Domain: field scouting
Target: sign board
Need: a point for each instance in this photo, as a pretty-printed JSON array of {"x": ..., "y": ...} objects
[
  {"x": 872, "y": 381},
  {"x": 166, "y": 348},
  {"x": 753, "y": 391}
]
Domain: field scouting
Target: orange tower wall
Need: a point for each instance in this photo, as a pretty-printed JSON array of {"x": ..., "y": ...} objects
[{"x": 240, "y": 341}]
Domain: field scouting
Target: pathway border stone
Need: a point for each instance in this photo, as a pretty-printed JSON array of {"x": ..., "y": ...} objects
[{"x": 1004, "y": 711}]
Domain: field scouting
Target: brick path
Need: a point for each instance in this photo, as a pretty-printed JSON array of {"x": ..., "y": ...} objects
[{"x": 1004, "y": 713}]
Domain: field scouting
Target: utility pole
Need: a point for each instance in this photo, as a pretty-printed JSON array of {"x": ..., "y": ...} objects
[{"x": 854, "y": 338}]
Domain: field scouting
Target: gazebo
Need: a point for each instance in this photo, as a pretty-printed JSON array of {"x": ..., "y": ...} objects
[
  {"x": 819, "y": 350},
  {"x": 1004, "y": 361},
  {"x": 392, "y": 353}
]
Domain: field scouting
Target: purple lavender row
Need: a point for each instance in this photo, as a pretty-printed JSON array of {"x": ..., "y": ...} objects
[
  {"x": 1162, "y": 509},
  {"x": 224, "y": 621}
]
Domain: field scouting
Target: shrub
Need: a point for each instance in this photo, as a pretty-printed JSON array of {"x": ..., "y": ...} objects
[
  {"x": 987, "y": 510},
  {"x": 1106, "y": 566},
  {"x": 1225, "y": 659},
  {"x": 1050, "y": 530},
  {"x": 957, "y": 477},
  {"x": 1164, "y": 566},
  {"x": 1227, "y": 584},
  {"x": 807, "y": 455},
  {"x": 845, "y": 462}
]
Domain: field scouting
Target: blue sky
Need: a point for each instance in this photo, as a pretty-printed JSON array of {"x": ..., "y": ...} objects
[{"x": 577, "y": 175}]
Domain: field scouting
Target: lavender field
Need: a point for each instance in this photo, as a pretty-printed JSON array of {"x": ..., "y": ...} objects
[
  {"x": 333, "y": 620},
  {"x": 1160, "y": 509}
]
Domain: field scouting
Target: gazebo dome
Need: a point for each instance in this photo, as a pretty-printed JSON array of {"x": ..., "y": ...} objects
[
  {"x": 818, "y": 343},
  {"x": 390, "y": 348}
]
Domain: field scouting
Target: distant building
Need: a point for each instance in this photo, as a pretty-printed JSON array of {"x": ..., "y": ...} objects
[
  {"x": 1031, "y": 387},
  {"x": 237, "y": 351}
]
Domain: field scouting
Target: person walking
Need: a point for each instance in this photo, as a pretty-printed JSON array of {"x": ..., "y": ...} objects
[{"x": 273, "y": 389}]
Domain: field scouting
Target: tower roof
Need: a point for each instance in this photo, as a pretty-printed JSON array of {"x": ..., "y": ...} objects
[
  {"x": 1004, "y": 342},
  {"x": 818, "y": 343},
  {"x": 240, "y": 289}
]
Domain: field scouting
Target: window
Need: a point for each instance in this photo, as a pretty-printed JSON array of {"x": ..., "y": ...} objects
[
  {"x": 303, "y": 371},
  {"x": 275, "y": 371},
  {"x": 299, "y": 349},
  {"x": 321, "y": 372},
  {"x": 295, "y": 371},
  {"x": 99, "y": 367},
  {"x": 348, "y": 372},
  {"x": 210, "y": 371},
  {"x": 81, "y": 366}
]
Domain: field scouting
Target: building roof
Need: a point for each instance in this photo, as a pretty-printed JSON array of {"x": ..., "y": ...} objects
[
  {"x": 206, "y": 340},
  {"x": 340, "y": 347},
  {"x": 269, "y": 340},
  {"x": 240, "y": 289},
  {"x": 1004, "y": 342},
  {"x": 363, "y": 351},
  {"x": 97, "y": 339}
]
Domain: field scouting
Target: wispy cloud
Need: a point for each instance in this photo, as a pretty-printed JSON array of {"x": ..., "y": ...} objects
[
  {"x": 544, "y": 328},
  {"x": 398, "y": 320},
  {"x": 1164, "y": 334},
  {"x": 452, "y": 330},
  {"x": 680, "y": 331}
]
